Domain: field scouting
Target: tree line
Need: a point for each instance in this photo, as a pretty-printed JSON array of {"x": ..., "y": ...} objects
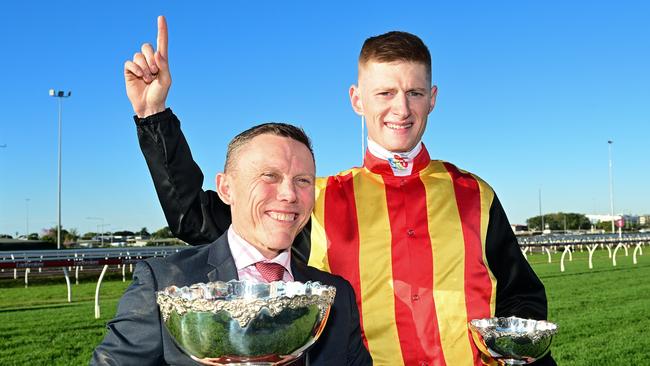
[
  {"x": 571, "y": 221},
  {"x": 559, "y": 221},
  {"x": 72, "y": 235}
]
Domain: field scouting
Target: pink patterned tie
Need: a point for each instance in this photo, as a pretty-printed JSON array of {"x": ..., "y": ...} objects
[
  {"x": 270, "y": 271},
  {"x": 275, "y": 272}
]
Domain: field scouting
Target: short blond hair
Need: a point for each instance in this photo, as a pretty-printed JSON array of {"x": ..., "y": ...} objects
[
  {"x": 395, "y": 46},
  {"x": 270, "y": 128}
]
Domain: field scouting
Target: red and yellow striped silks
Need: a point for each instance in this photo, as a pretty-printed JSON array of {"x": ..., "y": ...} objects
[{"x": 413, "y": 249}]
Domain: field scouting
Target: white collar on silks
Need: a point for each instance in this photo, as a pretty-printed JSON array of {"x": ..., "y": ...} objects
[{"x": 401, "y": 163}]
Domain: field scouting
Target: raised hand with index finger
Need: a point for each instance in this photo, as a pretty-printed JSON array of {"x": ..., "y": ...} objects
[{"x": 147, "y": 76}]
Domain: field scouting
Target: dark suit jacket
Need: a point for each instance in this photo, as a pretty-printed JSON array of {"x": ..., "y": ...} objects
[{"x": 136, "y": 335}]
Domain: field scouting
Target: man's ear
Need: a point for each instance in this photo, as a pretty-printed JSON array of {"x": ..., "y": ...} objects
[
  {"x": 223, "y": 188},
  {"x": 434, "y": 94},
  {"x": 355, "y": 100}
]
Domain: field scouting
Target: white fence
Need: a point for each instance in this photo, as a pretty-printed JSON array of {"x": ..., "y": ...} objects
[
  {"x": 77, "y": 259},
  {"x": 570, "y": 243}
]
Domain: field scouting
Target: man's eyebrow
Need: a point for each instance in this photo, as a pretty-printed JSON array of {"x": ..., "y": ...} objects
[
  {"x": 380, "y": 88},
  {"x": 383, "y": 88},
  {"x": 313, "y": 176},
  {"x": 273, "y": 168}
]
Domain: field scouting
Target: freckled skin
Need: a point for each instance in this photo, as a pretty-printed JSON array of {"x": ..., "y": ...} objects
[
  {"x": 270, "y": 191},
  {"x": 394, "y": 94}
]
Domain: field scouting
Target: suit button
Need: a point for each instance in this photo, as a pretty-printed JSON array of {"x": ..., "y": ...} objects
[
  {"x": 410, "y": 232},
  {"x": 415, "y": 297},
  {"x": 424, "y": 363}
]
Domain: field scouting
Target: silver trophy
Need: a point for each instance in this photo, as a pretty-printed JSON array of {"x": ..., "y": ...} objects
[
  {"x": 245, "y": 322},
  {"x": 512, "y": 340}
]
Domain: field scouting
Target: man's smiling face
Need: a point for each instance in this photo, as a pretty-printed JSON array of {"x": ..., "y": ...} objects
[
  {"x": 270, "y": 190},
  {"x": 396, "y": 99}
]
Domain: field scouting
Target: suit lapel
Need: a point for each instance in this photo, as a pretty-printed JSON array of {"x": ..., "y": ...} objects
[
  {"x": 221, "y": 259},
  {"x": 299, "y": 270},
  {"x": 224, "y": 269}
]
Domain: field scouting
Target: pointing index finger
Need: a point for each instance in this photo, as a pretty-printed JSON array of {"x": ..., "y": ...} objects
[{"x": 162, "y": 36}]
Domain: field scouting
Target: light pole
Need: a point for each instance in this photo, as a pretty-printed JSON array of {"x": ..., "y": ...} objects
[
  {"x": 103, "y": 231},
  {"x": 540, "y": 209},
  {"x": 60, "y": 95},
  {"x": 611, "y": 189},
  {"x": 98, "y": 225},
  {"x": 27, "y": 218}
]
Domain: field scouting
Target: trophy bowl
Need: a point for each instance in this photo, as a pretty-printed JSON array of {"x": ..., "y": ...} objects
[
  {"x": 512, "y": 340},
  {"x": 246, "y": 322}
]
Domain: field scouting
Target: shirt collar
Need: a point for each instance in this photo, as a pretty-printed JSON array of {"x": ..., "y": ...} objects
[
  {"x": 245, "y": 254},
  {"x": 381, "y": 161}
]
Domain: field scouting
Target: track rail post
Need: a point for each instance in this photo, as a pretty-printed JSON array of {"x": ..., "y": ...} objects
[
  {"x": 15, "y": 269},
  {"x": 591, "y": 250},
  {"x": 67, "y": 282},
  {"x": 566, "y": 250},
  {"x": 614, "y": 254},
  {"x": 636, "y": 250},
  {"x": 548, "y": 253},
  {"x": 27, "y": 276},
  {"x": 99, "y": 283}
]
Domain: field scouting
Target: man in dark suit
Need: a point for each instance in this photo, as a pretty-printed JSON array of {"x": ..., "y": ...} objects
[{"x": 269, "y": 183}]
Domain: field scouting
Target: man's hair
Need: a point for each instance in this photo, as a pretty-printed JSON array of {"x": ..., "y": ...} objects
[
  {"x": 395, "y": 46},
  {"x": 270, "y": 128}
]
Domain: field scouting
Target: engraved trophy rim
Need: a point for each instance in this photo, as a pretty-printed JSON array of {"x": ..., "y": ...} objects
[
  {"x": 513, "y": 340},
  {"x": 231, "y": 322}
]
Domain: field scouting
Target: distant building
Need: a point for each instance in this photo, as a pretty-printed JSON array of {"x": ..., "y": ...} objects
[
  {"x": 629, "y": 219},
  {"x": 594, "y": 219}
]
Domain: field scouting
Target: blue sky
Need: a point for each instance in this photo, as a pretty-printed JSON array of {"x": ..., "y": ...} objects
[{"x": 529, "y": 94}]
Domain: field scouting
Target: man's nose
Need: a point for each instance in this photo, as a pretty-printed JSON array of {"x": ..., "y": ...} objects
[
  {"x": 287, "y": 191},
  {"x": 400, "y": 106}
]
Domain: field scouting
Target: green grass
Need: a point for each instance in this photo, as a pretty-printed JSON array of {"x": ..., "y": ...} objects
[
  {"x": 39, "y": 327},
  {"x": 603, "y": 313}
]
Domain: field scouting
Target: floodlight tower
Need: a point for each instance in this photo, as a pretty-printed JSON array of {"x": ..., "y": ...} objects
[
  {"x": 102, "y": 225},
  {"x": 27, "y": 218},
  {"x": 540, "y": 209},
  {"x": 611, "y": 189},
  {"x": 60, "y": 95}
]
